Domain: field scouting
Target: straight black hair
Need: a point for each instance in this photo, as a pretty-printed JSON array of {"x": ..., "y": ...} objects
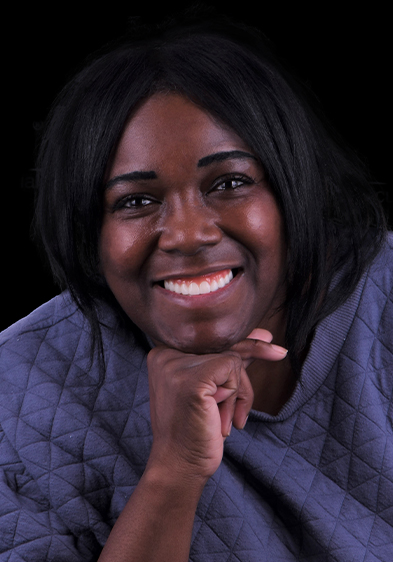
[{"x": 333, "y": 220}]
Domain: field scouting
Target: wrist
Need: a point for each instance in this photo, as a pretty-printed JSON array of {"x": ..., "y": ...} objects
[{"x": 174, "y": 480}]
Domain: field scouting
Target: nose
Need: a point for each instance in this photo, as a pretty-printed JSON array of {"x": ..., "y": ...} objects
[{"x": 189, "y": 226}]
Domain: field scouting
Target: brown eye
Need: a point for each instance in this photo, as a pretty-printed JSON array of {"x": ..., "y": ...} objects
[
  {"x": 231, "y": 183},
  {"x": 137, "y": 201},
  {"x": 134, "y": 202}
]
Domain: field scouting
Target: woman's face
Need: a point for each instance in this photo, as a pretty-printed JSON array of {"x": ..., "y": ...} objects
[{"x": 186, "y": 208}]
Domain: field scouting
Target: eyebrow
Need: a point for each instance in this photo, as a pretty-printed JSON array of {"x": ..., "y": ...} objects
[
  {"x": 130, "y": 177},
  {"x": 220, "y": 156},
  {"x": 205, "y": 161}
]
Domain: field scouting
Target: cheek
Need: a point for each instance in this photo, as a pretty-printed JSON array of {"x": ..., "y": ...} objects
[
  {"x": 119, "y": 251},
  {"x": 260, "y": 227},
  {"x": 263, "y": 233},
  {"x": 257, "y": 224}
]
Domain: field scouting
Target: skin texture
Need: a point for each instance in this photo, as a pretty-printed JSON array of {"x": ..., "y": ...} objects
[
  {"x": 188, "y": 221},
  {"x": 174, "y": 210}
]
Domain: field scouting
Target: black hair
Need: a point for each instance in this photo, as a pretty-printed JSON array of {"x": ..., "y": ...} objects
[{"x": 333, "y": 219}]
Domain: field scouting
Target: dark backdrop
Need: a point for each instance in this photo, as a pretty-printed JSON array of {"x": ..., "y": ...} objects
[{"x": 341, "y": 55}]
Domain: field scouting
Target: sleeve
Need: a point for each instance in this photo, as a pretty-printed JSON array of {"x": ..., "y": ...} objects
[{"x": 30, "y": 530}]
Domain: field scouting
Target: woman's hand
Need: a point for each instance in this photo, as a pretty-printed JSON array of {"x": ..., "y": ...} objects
[{"x": 195, "y": 399}]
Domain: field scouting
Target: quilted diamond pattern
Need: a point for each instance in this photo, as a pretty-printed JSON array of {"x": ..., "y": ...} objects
[
  {"x": 56, "y": 416},
  {"x": 314, "y": 483}
]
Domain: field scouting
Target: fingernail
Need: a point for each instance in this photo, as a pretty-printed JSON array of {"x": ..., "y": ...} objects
[
  {"x": 279, "y": 349},
  {"x": 261, "y": 334}
]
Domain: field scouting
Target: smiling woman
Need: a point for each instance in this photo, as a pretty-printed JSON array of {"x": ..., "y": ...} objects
[
  {"x": 188, "y": 200},
  {"x": 215, "y": 381}
]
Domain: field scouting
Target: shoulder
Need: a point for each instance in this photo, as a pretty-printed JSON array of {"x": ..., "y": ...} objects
[
  {"x": 51, "y": 313},
  {"x": 376, "y": 302},
  {"x": 39, "y": 349},
  {"x": 52, "y": 326},
  {"x": 367, "y": 354},
  {"x": 369, "y": 310},
  {"x": 47, "y": 364},
  {"x": 54, "y": 343},
  {"x": 381, "y": 269}
]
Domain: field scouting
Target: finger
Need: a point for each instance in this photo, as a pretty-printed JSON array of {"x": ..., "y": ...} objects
[
  {"x": 235, "y": 402},
  {"x": 227, "y": 392},
  {"x": 235, "y": 405},
  {"x": 252, "y": 349},
  {"x": 261, "y": 334},
  {"x": 227, "y": 410},
  {"x": 244, "y": 401},
  {"x": 223, "y": 393}
]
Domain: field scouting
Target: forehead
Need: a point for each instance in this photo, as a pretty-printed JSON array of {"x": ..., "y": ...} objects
[{"x": 169, "y": 126}]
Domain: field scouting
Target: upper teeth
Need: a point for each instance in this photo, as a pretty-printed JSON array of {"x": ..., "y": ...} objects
[{"x": 194, "y": 287}]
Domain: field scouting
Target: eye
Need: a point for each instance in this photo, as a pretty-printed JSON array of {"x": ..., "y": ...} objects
[
  {"x": 134, "y": 202},
  {"x": 231, "y": 183},
  {"x": 137, "y": 201}
]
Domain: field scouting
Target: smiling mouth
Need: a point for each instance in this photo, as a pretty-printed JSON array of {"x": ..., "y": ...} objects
[{"x": 200, "y": 285}]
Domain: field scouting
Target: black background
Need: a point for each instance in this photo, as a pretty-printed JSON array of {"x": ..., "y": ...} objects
[{"x": 343, "y": 55}]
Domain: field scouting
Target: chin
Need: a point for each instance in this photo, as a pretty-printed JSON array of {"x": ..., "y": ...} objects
[
  {"x": 198, "y": 345},
  {"x": 202, "y": 348}
]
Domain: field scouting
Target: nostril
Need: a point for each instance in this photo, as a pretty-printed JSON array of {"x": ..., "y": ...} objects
[{"x": 190, "y": 236}]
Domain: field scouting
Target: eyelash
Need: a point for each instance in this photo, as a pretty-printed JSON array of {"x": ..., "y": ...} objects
[
  {"x": 242, "y": 180},
  {"x": 129, "y": 201}
]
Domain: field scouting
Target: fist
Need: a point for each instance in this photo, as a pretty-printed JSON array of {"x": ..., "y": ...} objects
[{"x": 195, "y": 399}]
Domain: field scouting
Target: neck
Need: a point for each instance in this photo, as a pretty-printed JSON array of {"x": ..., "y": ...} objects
[{"x": 272, "y": 383}]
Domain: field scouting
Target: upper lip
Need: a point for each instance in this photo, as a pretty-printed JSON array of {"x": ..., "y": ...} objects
[{"x": 189, "y": 274}]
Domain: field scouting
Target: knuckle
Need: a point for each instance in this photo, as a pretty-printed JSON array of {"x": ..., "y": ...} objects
[{"x": 234, "y": 360}]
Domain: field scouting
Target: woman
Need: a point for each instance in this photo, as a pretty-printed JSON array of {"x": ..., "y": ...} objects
[{"x": 215, "y": 382}]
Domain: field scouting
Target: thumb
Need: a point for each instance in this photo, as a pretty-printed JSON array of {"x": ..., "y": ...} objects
[
  {"x": 260, "y": 334},
  {"x": 257, "y": 346}
]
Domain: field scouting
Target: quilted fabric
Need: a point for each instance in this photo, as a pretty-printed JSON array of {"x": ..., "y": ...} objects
[{"x": 314, "y": 483}]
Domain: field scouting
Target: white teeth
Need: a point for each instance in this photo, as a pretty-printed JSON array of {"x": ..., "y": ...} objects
[
  {"x": 184, "y": 289},
  {"x": 202, "y": 288},
  {"x": 171, "y": 285},
  {"x": 193, "y": 289}
]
